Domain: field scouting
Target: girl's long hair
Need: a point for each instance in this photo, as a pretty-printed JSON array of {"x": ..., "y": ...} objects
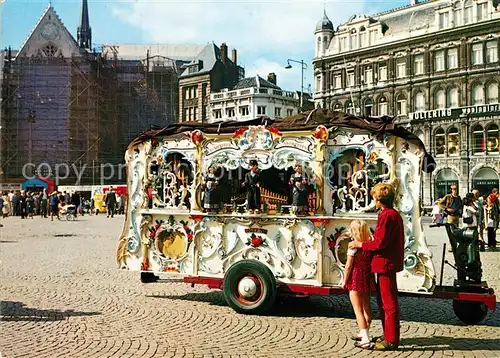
[{"x": 359, "y": 230}]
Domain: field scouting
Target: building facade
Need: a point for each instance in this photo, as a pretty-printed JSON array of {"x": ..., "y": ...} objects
[
  {"x": 252, "y": 97},
  {"x": 435, "y": 67},
  {"x": 69, "y": 111},
  {"x": 209, "y": 72}
]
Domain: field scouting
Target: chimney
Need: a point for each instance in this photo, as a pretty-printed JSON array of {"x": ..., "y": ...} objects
[
  {"x": 272, "y": 78},
  {"x": 234, "y": 56},
  {"x": 223, "y": 53}
]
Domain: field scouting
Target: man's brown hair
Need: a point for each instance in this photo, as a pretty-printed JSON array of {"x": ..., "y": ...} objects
[{"x": 384, "y": 193}]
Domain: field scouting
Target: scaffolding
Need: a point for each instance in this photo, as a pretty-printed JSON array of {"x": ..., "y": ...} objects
[{"x": 80, "y": 113}]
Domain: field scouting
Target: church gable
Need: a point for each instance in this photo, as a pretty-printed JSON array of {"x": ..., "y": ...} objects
[{"x": 49, "y": 38}]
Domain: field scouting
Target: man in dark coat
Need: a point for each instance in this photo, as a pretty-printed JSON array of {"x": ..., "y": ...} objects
[
  {"x": 111, "y": 202},
  {"x": 252, "y": 183}
]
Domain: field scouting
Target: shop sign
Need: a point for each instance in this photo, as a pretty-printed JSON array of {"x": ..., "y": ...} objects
[{"x": 472, "y": 111}]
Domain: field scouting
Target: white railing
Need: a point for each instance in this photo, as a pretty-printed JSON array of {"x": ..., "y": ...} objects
[{"x": 225, "y": 94}]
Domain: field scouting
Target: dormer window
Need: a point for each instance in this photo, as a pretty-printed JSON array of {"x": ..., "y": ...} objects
[{"x": 373, "y": 37}]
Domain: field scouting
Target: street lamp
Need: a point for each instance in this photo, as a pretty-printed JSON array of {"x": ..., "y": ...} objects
[{"x": 303, "y": 66}]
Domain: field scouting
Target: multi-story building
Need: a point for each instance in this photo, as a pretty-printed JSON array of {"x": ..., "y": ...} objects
[
  {"x": 435, "y": 66},
  {"x": 209, "y": 72},
  {"x": 252, "y": 97}
]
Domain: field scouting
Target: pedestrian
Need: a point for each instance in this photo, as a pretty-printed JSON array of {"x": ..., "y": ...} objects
[
  {"x": 437, "y": 214},
  {"x": 30, "y": 205},
  {"x": 22, "y": 204},
  {"x": 111, "y": 202},
  {"x": 11, "y": 200},
  {"x": 15, "y": 204},
  {"x": 54, "y": 206},
  {"x": 452, "y": 205},
  {"x": 470, "y": 212},
  {"x": 359, "y": 281},
  {"x": 6, "y": 205},
  {"x": 491, "y": 213},
  {"x": 388, "y": 255},
  {"x": 43, "y": 203}
]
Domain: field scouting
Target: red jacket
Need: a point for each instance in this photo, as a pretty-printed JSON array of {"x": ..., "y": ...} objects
[{"x": 388, "y": 242}]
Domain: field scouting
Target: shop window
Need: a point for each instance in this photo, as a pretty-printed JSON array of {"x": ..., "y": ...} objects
[
  {"x": 453, "y": 141},
  {"x": 492, "y": 139},
  {"x": 440, "y": 142},
  {"x": 445, "y": 178},
  {"x": 478, "y": 139},
  {"x": 492, "y": 93},
  {"x": 478, "y": 94}
]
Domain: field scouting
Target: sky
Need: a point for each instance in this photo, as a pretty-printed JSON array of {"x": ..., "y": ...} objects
[{"x": 265, "y": 33}]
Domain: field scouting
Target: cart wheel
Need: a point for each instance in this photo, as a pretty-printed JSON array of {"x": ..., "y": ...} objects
[
  {"x": 148, "y": 277},
  {"x": 470, "y": 312},
  {"x": 249, "y": 287}
]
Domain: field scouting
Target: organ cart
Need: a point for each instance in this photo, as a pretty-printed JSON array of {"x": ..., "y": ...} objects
[{"x": 217, "y": 204}]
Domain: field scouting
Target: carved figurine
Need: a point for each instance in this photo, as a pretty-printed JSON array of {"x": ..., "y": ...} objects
[
  {"x": 210, "y": 200},
  {"x": 299, "y": 181},
  {"x": 252, "y": 184}
]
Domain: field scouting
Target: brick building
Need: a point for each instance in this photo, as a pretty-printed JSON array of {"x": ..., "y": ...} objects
[
  {"x": 210, "y": 71},
  {"x": 435, "y": 66}
]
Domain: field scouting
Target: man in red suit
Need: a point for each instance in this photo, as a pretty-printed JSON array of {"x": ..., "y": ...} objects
[{"x": 388, "y": 255}]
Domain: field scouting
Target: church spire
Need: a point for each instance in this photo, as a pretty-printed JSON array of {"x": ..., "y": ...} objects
[{"x": 84, "y": 33}]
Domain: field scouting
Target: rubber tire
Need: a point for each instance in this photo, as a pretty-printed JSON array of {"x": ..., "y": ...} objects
[
  {"x": 470, "y": 312},
  {"x": 257, "y": 269}
]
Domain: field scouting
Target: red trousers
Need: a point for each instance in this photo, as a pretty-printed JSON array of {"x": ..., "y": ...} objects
[{"x": 387, "y": 299}]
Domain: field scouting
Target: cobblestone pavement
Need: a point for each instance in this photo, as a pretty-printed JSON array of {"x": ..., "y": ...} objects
[{"x": 63, "y": 296}]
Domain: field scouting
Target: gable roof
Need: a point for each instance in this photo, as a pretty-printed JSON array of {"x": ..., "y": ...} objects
[
  {"x": 208, "y": 56},
  {"x": 49, "y": 11}
]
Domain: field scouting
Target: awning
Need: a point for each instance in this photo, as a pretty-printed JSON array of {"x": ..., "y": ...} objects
[{"x": 38, "y": 183}]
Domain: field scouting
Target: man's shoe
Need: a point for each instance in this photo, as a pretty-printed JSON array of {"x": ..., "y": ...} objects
[{"x": 385, "y": 346}]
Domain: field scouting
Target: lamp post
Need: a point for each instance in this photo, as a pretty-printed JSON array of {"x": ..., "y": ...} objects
[{"x": 303, "y": 66}]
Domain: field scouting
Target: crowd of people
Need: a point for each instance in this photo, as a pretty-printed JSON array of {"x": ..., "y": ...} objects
[
  {"x": 481, "y": 212},
  {"x": 28, "y": 204}
]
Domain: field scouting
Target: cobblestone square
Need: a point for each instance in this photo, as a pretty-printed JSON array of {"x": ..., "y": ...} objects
[{"x": 63, "y": 296}]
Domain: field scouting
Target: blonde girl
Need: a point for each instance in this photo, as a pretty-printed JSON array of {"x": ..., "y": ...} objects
[{"x": 360, "y": 282}]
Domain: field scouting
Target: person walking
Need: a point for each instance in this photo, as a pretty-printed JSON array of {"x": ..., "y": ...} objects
[
  {"x": 6, "y": 205},
  {"x": 11, "y": 200},
  {"x": 491, "y": 218},
  {"x": 387, "y": 247},
  {"x": 111, "y": 202},
  {"x": 359, "y": 281},
  {"x": 452, "y": 205},
  {"x": 54, "y": 206},
  {"x": 22, "y": 205},
  {"x": 43, "y": 203}
]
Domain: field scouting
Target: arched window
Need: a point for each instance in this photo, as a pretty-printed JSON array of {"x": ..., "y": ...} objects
[
  {"x": 382, "y": 106},
  {"x": 353, "y": 39},
  {"x": 453, "y": 141},
  {"x": 368, "y": 107},
  {"x": 337, "y": 106},
  {"x": 478, "y": 139},
  {"x": 478, "y": 94},
  {"x": 439, "y": 141},
  {"x": 492, "y": 93},
  {"x": 349, "y": 107},
  {"x": 401, "y": 108},
  {"x": 419, "y": 102},
  {"x": 362, "y": 37},
  {"x": 492, "y": 139},
  {"x": 452, "y": 98},
  {"x": 439, "y": 99}
]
